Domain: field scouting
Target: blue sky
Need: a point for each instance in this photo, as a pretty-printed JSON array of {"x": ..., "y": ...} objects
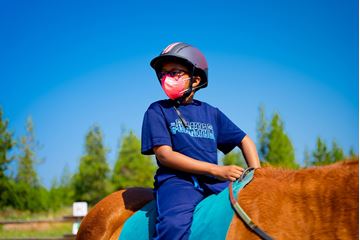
[{"x": 72, "y": 64}]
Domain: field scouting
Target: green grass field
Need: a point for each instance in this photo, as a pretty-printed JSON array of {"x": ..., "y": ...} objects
[
  {"x": 51, "y": 230},
  {"x": 11, "y": 214},
  {"x": 57, "y": 229}
]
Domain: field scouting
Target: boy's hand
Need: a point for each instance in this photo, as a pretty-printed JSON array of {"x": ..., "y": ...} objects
[{"x": 231, "y": 172}]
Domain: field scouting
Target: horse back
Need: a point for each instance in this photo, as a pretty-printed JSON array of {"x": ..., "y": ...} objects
[{"x": 311, "y": 203}]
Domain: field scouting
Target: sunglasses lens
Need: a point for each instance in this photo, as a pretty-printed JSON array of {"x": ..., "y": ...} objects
[{"x": 174, "y": 73}]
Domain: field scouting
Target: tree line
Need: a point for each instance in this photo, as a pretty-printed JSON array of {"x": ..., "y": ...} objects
[
  {"x": 276, "y": 149},
  {"x": 94, "y": 178}
]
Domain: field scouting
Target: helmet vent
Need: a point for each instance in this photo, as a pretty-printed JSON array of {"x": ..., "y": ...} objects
[
  {"x": 181, "y": 48},
  {"x": 168, "y": 48}
]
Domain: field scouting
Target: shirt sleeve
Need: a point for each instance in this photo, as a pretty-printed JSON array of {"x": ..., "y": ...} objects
[
  {"x": 229, "y": 135},
  {"x": 154, "y": 131}
]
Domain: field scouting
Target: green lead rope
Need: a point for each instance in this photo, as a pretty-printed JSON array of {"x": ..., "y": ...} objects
[{"x": 245, "y": 178}]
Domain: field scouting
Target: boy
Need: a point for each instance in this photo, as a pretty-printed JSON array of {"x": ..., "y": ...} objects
[{"x": 185, "y": 134}]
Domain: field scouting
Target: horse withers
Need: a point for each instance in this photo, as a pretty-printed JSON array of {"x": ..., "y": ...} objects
[{"x": 310, "y": 203}]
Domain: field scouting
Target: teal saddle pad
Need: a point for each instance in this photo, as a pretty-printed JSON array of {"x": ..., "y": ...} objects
[{"x": 212, "y": 217}]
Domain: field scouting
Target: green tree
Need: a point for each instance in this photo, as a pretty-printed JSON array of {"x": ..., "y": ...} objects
[
  {"x": 132, "y": 168},
  {"x": 352, "y": 153},
  {"x": 321, "y": 155},
  {"x": 25, "y": 197},
  {"x": 262, "y": 134},
  {"x": 234, "y": 158},
  {"x": 26, "y": 172},
  {"x": 280, "y": 149},
  {"x": 307, "y": 157},
  {"x": 91, "y": 182},
  {"x": 337, "y": 152},
  {"x": 6, "y": 145},
  {"x": 61, "y": 194},
  {"x": 27, "y": 192}
]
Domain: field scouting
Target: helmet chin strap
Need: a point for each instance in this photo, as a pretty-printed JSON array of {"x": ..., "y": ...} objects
[
  {"x": 188, "y": 91},
  {"x": 190, "y": 88},
  {"x": 183, "y": 97}
]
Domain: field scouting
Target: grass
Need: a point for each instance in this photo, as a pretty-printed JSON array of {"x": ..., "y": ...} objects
[
  {"x": 12, "y": 214},
  {"x": 52, "y": 230},
  {"x": 57, "y": 229}
]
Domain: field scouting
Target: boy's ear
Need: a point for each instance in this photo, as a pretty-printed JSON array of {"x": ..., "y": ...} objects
[{"x": 196, "y": 81}]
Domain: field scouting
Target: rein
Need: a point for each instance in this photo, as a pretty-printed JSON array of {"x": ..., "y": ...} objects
[{"x": 244, "y": 179}]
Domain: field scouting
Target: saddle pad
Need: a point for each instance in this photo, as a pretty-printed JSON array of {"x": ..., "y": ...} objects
[{"x": 211, "y": 219}]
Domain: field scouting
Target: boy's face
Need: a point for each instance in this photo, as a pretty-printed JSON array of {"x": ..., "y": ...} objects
[{"x": 178, "y": 70}]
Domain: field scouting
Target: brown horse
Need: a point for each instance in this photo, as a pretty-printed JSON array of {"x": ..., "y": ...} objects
[{"x": 311, "y": 203}]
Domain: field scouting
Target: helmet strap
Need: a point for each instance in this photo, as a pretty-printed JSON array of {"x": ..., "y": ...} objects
[{"x": 190, "y": 89}]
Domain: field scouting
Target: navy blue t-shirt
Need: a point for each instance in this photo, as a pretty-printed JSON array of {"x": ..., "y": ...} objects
[{"x": 208, "y": 129}]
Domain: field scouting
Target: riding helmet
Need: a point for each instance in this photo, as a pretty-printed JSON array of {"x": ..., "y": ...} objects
[{"x": 185, "y": 54}]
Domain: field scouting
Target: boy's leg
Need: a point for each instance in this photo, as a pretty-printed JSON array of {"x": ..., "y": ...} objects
[{"x": 176, "y": 200}]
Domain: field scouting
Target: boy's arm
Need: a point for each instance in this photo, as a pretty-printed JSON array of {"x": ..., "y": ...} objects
[
  {"x": 249, "y": 151},
  {"x": 181, "y": 162}
]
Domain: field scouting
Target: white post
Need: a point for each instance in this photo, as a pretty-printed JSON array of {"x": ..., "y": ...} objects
[{"x": 79, "y": 210}]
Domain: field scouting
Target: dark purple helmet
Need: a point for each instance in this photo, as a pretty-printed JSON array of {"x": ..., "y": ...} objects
[{"x": 187, "y": 55}]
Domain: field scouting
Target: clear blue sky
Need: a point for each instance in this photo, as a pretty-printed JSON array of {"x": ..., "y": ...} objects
[{"x": 72, "y": 64}]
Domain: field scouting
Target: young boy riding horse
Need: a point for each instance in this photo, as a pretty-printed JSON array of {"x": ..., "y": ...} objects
[{"x": 185, "y": 135}]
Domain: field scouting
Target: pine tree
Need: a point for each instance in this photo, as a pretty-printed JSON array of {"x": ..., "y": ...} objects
[
  {"x": 27, "y": 159},
  {"x": 27, "y": 192},
  {"x": 61, "y": 194},
  {"x": 336, "y": 153},
  {"x": 6, "y": 145},
  {"x": 91, "y": 182},
  {"x": 352, "y": 153},
  {"x": 321, "y": 155},
  {"x": 280, "y": 149},
  {"x": 65, "y": 189},
  {"x": 307, "y": 158},
  {"x": 262, "y": 134},
  {"x": 132, "y": 168}
]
